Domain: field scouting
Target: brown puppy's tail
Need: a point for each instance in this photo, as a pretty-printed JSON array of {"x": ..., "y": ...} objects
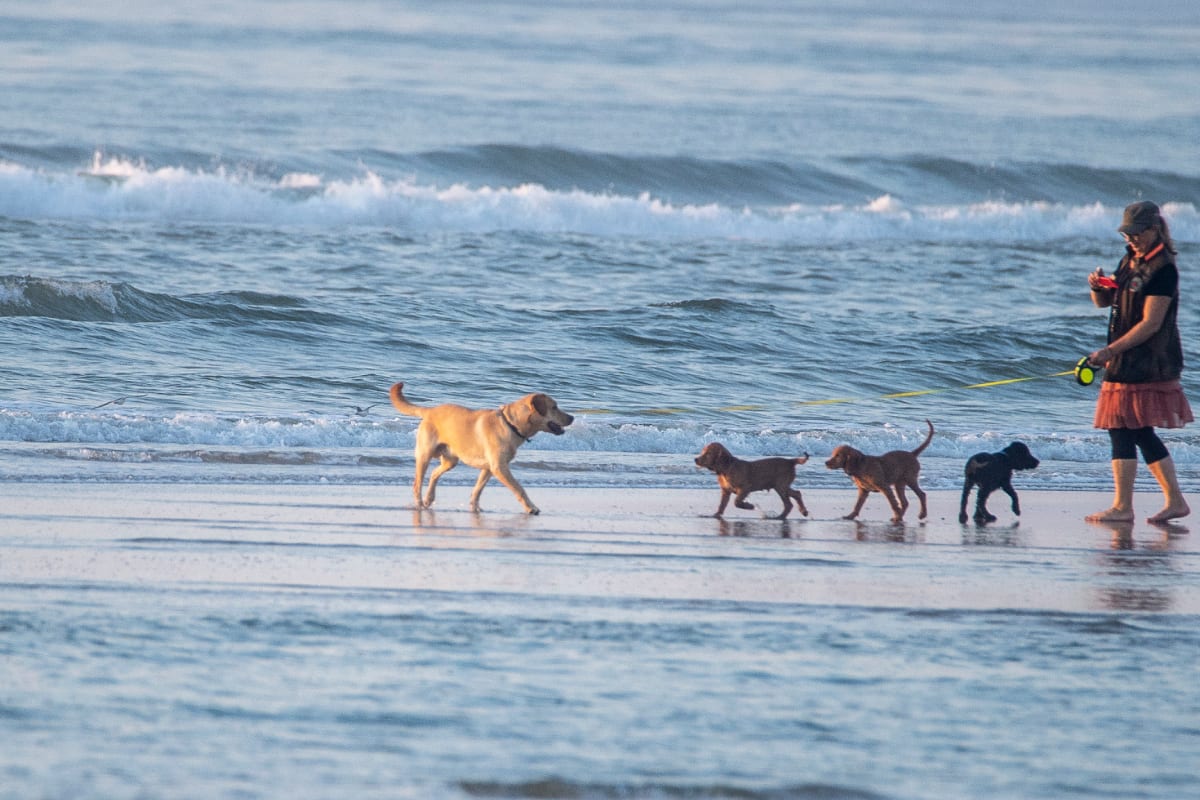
[
  {"x": 402, "y": 405},
  {"x": 928, "y": 439},
  {"x": 801, "y": 460}
]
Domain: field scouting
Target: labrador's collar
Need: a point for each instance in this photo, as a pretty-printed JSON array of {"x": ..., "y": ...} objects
[{"x": 511, "y": 427}]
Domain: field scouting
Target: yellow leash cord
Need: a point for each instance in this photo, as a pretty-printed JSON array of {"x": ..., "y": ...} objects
[
  {"x": 835, "y": 400},
  {"x": 920, "y": 392}
]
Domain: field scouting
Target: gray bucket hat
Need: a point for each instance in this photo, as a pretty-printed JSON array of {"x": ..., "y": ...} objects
[{"x": 1138, "y": 217}]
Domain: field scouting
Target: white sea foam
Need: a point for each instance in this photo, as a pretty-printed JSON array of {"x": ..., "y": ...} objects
[
  {"x": 591, "y": 433},
  {"x": 103, "y": 445},
  {"x": 300, "y": 180},
  {"x": 114, "y": 188}
]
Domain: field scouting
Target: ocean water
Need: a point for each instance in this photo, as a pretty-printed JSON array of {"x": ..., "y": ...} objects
[{"x": 227, "y": 228}]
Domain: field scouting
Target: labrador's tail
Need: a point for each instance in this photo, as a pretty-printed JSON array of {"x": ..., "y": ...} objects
[{"x": 402, "y": 405}]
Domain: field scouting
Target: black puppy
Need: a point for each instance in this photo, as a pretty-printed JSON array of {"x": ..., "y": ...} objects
[{"x": 992, "y": 471}]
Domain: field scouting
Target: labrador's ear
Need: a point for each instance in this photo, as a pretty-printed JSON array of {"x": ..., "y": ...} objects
[{"x": 541, "y": 404}]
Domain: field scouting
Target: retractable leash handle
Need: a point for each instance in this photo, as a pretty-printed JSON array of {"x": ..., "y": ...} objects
[{"x": 1085, "y": 373}]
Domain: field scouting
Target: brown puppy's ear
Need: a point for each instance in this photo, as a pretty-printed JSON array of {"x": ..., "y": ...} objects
[
  {"x": 852, "y": 461},
  {"x": 724, "y": 459}
]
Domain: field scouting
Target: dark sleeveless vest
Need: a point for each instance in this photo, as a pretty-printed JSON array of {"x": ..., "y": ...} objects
[{"x": 1159, "y": 358}]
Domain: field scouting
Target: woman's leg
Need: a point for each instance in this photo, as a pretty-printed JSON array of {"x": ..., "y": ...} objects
[
  {"x": 1124, "y": 471},
  {"x": 1162, "y": 467},
  {"x": 1124, "y": 467},
  {"x": 1176, "y": 506}
]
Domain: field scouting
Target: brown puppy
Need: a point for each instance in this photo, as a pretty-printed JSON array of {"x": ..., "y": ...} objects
[
  {"x": 896, "y": 469},
  {"x": 485, "y": 439},
  {"x": 740, "y": 478}
]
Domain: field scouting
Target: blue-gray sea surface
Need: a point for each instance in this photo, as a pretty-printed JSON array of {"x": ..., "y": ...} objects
[{"x": 227, "y": 228}]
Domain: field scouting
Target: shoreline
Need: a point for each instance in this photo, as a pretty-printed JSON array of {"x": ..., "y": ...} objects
[
  {"x": 827, "y": 506},
  {"x": 607, "y": 544}
]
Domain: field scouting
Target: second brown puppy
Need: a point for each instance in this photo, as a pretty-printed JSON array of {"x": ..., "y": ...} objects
[
  {"x": 739, "y": 478},
  {"x": 891, "y": 471}
]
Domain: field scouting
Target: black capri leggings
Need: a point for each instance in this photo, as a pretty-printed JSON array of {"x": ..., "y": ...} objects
[{"x": 1127, "y": 441}]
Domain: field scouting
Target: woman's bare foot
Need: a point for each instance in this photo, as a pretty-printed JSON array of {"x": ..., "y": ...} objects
[
  {"x": 1113, "y": 514},
  {"x": 1171, "y": 512}
]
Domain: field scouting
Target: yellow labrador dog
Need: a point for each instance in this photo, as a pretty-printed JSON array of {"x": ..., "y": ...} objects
[{"x": 486, "y": 439}]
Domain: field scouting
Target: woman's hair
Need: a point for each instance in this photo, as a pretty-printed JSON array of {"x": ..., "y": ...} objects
[{"x": 1164, "y": 233}]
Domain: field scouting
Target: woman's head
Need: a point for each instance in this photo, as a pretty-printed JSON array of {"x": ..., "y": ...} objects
[{"x": 1143, "y": 226}]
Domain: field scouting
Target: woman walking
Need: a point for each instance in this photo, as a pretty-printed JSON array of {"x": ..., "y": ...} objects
[{"x": 1142, "y": 362}]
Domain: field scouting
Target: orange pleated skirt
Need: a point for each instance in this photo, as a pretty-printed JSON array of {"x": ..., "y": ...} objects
[{"x": 1140, "y": 405}]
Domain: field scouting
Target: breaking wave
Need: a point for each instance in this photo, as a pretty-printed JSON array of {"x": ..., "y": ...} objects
[{"x": 497, "y": 187}]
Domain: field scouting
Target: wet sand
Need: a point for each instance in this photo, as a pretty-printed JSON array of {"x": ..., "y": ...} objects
[{"x": 610, "y": 542}]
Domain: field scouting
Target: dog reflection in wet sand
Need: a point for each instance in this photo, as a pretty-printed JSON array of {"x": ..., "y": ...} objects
[{"x": 739, "y": 478}]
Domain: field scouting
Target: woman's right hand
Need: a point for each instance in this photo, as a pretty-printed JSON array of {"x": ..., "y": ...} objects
[
  {"x": 1101, "y": 357},
  {"x": 1099, "y": 282}
]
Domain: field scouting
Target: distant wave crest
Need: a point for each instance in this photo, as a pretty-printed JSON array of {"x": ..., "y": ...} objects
[
  {"x": 556, "y": 788},
  {"x": 546, "y": 190},
  {"x": 104, "y": 301}
]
